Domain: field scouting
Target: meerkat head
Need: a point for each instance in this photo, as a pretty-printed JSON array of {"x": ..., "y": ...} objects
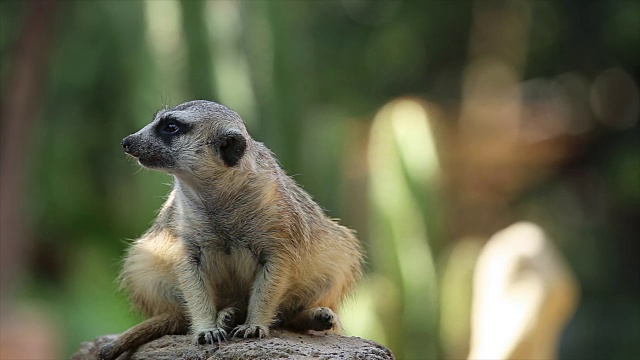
[{"x": 196, "y": 138}]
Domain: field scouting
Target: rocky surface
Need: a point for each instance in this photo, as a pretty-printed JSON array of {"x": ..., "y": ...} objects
[{"x": 281, "y": 345}]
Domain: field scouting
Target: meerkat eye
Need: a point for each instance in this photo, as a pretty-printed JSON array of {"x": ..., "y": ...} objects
[{"x": 171, "y": 128}]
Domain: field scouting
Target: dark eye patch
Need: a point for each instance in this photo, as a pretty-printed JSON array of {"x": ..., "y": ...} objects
[{"x": 169, "y": 127}]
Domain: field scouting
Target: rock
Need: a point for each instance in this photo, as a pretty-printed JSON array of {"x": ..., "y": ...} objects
[{"x": 281, "y": 345}]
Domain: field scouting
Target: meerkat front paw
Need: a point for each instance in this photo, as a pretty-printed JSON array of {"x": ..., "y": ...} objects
[
  {"x": 323, "y": 318},
  {"x": 227, "y": 318},
  {"x": 249, "y": 331},
  {"x": 211, "y": 336}
]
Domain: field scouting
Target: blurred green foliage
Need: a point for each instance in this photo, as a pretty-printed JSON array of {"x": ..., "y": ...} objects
[{"x": 308, "y": 77}]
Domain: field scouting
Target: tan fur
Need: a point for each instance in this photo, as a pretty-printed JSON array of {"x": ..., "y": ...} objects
[{"x": 237, "y": 247}]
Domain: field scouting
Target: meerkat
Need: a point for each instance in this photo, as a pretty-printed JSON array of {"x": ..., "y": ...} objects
[{"x": 238, "y": 246}]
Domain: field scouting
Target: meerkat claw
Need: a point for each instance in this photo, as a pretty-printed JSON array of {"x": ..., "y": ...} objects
[
  {"x": 211, "y": 336},
  {"x": 250, "y": 331}
]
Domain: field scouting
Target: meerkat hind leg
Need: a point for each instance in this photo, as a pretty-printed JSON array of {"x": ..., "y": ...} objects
[
  {"x": 225, "y": 320},
  {"x": 229, "y": 317},
  {"x": 318, "y": 319}
]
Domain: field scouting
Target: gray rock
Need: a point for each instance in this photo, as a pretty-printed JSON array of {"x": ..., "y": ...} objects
[{"x": 281, "y": 345}]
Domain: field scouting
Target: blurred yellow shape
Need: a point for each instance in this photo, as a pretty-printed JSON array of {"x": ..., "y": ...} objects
[{"x": 524, "y": 294}]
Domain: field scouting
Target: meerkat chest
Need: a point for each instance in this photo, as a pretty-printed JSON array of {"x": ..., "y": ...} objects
[
  {"x": 220, "y": 248},
  {"x": 229, "y": 268},
  {"x": 221, "y": 241},
  {"x": 238, "y": 267}
]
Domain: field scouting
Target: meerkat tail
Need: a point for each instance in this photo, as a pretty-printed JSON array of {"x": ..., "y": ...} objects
[{"x": 148, "y": 330}]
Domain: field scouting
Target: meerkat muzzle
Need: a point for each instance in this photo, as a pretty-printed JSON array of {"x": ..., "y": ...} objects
[{"x": 126, "y": 144}]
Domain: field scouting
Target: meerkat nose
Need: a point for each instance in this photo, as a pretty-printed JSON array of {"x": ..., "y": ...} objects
[{"x": 126, "y": 144}]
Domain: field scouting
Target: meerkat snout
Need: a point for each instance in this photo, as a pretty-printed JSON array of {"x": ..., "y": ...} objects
[
  {"x": 126, "y": 144},
  {"x": 133, "y": 146}
]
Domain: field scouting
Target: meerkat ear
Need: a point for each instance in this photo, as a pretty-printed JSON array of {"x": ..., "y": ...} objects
[{"x": 231, "y": 147}]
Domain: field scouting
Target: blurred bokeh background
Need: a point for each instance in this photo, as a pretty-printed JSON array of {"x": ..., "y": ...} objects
[{"x": 427, "y": 126}]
